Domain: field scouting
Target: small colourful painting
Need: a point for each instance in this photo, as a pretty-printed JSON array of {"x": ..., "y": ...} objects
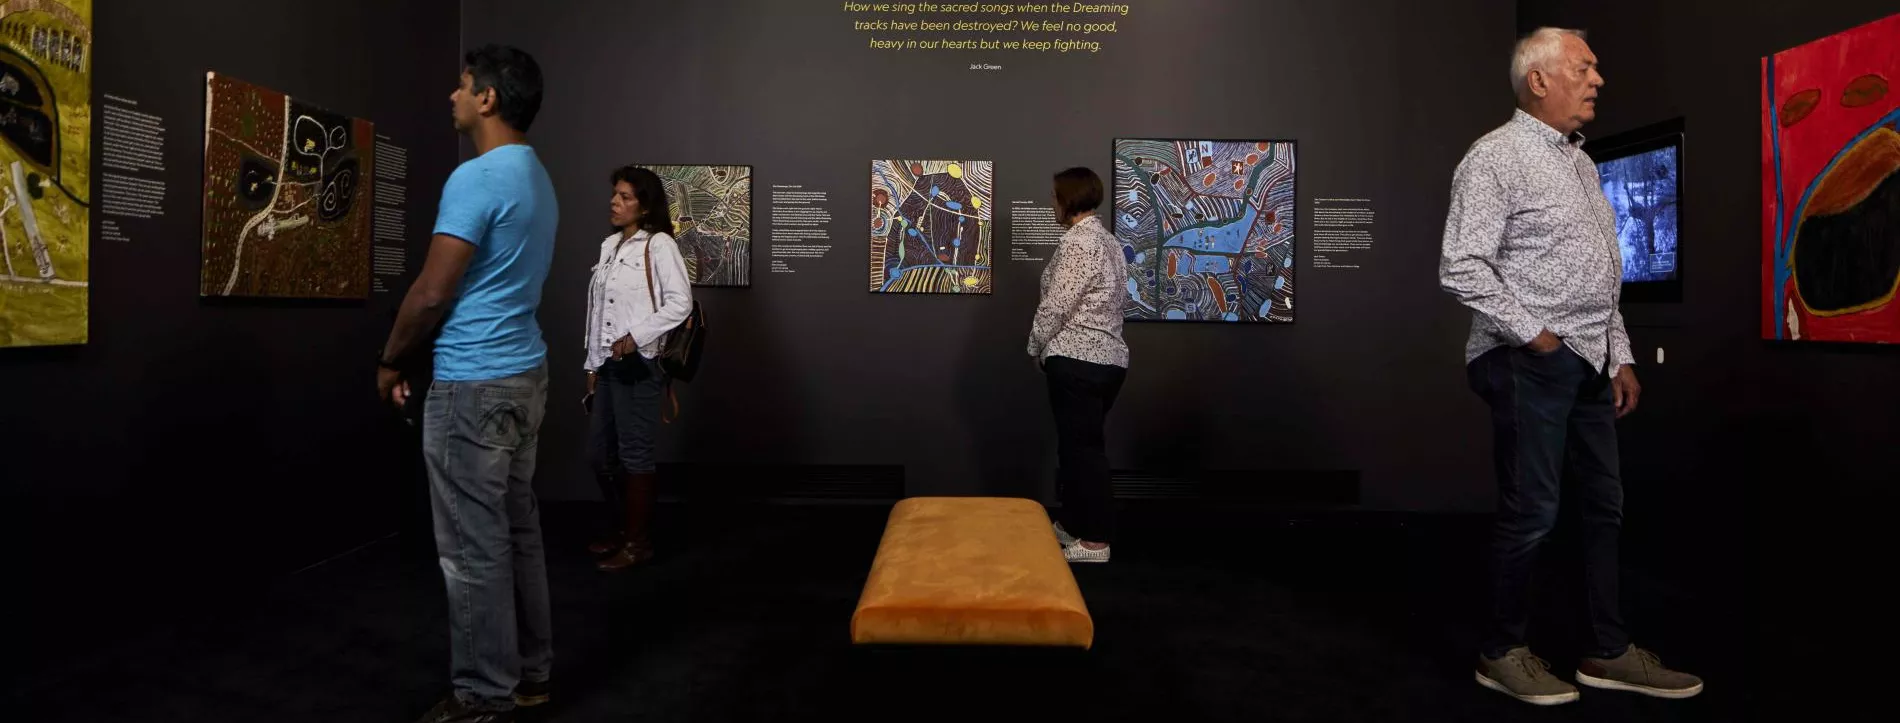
[
  {"x": 286, "y": 198},
  {"x": 930, "y": 227}
]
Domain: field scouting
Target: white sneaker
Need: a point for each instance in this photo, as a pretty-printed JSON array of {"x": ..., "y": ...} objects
[
  {"x": 1078, "y": 553},
  {"x": 1063, "y": 537}
]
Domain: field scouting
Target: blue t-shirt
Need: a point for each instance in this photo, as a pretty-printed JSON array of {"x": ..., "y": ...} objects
[{"x": 503, "y": 203}]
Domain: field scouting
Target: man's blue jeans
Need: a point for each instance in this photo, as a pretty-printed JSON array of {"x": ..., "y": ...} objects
[
  {"x": 479, "y": 439},
  {"x": 1552, "y": 417}
]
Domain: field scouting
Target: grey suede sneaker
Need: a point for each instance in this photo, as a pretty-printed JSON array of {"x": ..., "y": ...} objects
[
  {"x": 1526, "y": 677},
  {"x": 1638, "y": 671}
]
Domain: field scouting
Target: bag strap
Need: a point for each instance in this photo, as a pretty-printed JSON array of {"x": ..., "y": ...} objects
[
  {"x": 672, "y": 399},
  {"x": 648, "y": 250}
]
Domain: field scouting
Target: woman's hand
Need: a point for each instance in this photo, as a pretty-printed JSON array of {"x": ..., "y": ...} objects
[
  {"x": 593, "y": 380},
  {"x": 624, "y": 347}
]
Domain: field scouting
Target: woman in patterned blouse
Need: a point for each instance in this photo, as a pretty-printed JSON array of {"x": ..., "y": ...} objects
[{"x": 1077, "y": 340}]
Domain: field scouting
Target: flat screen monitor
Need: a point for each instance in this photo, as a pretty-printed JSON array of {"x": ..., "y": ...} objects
[{"x": 1642, "y": 178}]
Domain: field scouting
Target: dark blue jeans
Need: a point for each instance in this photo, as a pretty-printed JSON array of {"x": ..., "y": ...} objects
[
  {"x": 1551, "y": 414},
  {"x": 480, "y": 439},
  {"x": 621, "y": 428},
  {"x": 626, "y": 413}
]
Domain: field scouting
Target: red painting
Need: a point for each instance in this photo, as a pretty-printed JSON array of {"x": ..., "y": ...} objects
[{"x": 1831, "y": 188}]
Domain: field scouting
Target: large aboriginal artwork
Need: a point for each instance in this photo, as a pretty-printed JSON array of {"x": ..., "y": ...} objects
[{"x": 1207, "y": 228}]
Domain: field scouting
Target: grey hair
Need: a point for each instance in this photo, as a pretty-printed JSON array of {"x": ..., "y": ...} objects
[{"x": 1536, "y": 51}]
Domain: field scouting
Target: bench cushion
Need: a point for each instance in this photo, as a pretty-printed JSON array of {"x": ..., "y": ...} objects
[{"x": 971, "y": 571}]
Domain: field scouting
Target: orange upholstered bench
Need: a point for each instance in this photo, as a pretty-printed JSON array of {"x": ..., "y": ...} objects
[{"x": 971, "y": 571}]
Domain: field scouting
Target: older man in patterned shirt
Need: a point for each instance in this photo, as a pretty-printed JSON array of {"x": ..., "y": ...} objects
[{"x": 1530, "y": 246}]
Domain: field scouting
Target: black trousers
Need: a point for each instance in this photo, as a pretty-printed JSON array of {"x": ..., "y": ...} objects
[
  {"x": 1081, "y": 393},
  {"x": 1551, "y": 414}
]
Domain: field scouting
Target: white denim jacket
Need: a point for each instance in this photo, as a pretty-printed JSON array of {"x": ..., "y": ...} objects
[{"x": 617, "y": 299}]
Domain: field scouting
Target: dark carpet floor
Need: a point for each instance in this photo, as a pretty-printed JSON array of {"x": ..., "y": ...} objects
[{"x": 1240, "y": 618}]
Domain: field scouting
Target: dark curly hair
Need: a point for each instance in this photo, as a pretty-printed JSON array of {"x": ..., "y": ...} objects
[{"x": 655, "y": 216}]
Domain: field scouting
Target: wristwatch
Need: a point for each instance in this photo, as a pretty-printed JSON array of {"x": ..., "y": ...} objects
[{"x": 382, "y": 364}]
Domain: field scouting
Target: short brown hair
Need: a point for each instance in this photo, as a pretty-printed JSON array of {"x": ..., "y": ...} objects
[{"x": 1078, "y": 190}]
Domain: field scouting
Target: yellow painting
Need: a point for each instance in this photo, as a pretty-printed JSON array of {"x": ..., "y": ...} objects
[{"x": 45, "y": 166}]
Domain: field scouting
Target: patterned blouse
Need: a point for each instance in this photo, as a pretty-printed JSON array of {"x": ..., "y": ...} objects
[
  {"x": 1084, "y": 289},
  {"x": 1530, "y": 244}
]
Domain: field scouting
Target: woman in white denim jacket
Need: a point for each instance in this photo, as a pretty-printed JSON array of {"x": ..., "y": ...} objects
[{"x": 639, "y": 292}]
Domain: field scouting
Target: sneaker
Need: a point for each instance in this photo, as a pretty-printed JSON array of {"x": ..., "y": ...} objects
[
  {"x": 453, "y": 710},
  {"x": 1526, "y": 677},
  {"x": 1637, "y": 671},
  {"x": 531, "y": 693},
  {"x": 1078, "y": 553},
  {"x": 1063, "y": 537}
]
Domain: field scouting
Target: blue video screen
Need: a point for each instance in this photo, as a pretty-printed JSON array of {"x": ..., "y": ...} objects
[{"x": 1642, "y": 188}]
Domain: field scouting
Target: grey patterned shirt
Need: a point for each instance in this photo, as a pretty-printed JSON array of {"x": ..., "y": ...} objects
[
  {"x": 1530, "y": 244},
  {"x": 1084, "y": 289}
]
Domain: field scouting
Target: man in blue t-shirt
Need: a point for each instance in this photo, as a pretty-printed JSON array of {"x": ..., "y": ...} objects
[{"x": 494, "y": 240}]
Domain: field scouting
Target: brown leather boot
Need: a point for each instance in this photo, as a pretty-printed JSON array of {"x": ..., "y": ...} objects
[
  {"x": 639, "y": 544},
  {"x": 612, "y": 495},
  {"x": 608, "y": 542}
]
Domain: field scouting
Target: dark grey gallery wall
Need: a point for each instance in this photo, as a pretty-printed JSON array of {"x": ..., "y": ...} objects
[
  {"x": 192, "y": 441},
  {"x": 1383, "y": 97},
  {"x": 1783, "y": 455}
]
